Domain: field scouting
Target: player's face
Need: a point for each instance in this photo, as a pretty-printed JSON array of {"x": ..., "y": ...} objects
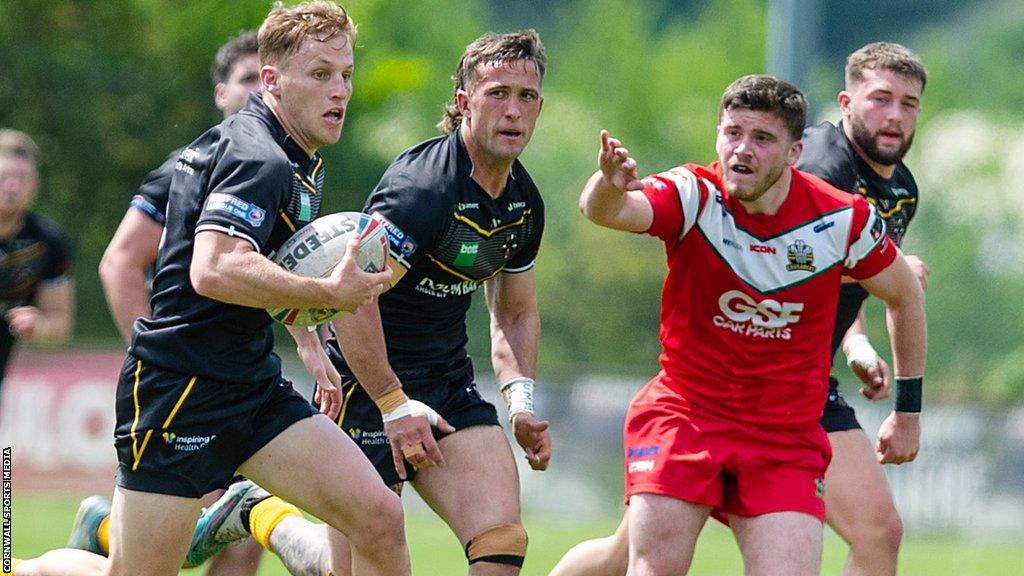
[
  {"x": 754, "y": 148},
  {"x": 502, "y": 108},
  {"x": 313, "y": 87},
  {"x": 18, "y": 185},
  {"x": 882, "y": 113},
  {"x": 231, "y": 94}
]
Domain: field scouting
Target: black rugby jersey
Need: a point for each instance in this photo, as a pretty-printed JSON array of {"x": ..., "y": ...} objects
[
  {"x": 451, "y": 236},
  {"x": 37, "y": 255},
  {"x": 245, "y": 177},
  {"x": 151, "y": 199},
  {"x": 829, "y": 155}
]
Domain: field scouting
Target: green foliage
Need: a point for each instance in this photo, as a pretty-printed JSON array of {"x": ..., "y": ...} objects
[{"x": 109, "y": 87}]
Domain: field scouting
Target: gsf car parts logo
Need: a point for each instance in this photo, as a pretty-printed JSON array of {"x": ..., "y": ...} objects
[{"x": 767, "y": 318}]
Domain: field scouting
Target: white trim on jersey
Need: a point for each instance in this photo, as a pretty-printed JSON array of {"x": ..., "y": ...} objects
[
  {"x": 230, "y": 231},
  {"x": 867, "y": 241},
  {"x": 689, "y": 194},
  {"x": 521, "y": 269},
  {"x": 776, "y": 263}
]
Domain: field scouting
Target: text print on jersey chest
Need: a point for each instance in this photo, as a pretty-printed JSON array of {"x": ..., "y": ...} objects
[
  {"x": 779, "y": 262},
  {"x": 474, "y": 249}
]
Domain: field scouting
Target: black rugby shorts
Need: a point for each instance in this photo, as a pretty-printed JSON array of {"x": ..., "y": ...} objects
[
  {"x": 183, "y": 435},
  {"x": 452, "y": 393},
  {"x": 838, "y": 415}
]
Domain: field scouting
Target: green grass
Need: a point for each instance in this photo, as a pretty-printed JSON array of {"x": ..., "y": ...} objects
[{"x": 42, "y": 523}]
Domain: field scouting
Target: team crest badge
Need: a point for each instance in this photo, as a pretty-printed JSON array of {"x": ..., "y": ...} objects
[{"x": 801, "y": 257}]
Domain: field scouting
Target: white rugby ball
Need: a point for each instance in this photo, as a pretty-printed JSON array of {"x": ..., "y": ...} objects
[{"x": 318, "y": 247}]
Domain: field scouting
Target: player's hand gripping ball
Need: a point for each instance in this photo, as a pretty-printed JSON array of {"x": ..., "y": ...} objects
[{"x": 315, "y": 250}]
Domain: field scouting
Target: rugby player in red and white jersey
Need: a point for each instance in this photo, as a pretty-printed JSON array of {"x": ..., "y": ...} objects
[{"x": 756, "y": 252}]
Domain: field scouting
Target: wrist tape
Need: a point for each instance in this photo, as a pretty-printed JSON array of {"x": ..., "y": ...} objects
[
  {"x": 858, "y": 350},
  {"x": 518, "y": 394}
]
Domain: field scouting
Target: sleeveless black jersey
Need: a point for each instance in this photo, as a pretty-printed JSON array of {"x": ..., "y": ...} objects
[
  {"x": 247, "y": 178},
  {"x": 829, "y": 155},
  {"x": 151, "y": 199},
  {"x": 37, "y": 255},
  {"x": 451, "y": 236}
]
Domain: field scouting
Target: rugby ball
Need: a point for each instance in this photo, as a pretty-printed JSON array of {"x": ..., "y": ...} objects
[{"x": 318, "y": 247}]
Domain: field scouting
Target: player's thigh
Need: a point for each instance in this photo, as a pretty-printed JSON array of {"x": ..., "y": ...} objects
[
  {"x": 478, "y": 487},
  {"x": 64, "y": 562},
  {"x": 315, "y": 466},
  {"x": 149, "y": 533},
  {"x": 856, "y": 490},
  {"x": 663, "y": 532},
  {"x": 779, "y": 544}
]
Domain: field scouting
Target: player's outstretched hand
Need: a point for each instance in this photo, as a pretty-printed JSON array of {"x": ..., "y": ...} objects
[
  {"x": 875, "y": 378},
  {"x": 920, "y": 269},
  {"x": 352, "y": 286},
  {"x": 412, "y": 439},
  {"x": 618, "y": 167},
  {"x": 534, "y": 438},
  {"x": 899, "y": 438},
  {"x": 22, "y": 321}
]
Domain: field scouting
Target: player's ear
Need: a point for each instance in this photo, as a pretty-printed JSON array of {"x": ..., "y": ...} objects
[
  {"x": 269, "y": 79},
  {"x": 794, "y": 152},
  {"x": 462, "y": 102},
  {"x": 845, "y": 103},
  {"x": 219, "y": 98}
]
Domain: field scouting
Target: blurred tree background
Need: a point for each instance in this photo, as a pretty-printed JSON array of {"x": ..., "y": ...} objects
[{"x": 109, "y": 87}]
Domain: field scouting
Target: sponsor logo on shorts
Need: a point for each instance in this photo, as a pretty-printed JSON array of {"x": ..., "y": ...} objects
[
  {"x": 640, "y": 466},
  {"x": 187, "y": 443},
  {"x": 235, "y": 207},
  {"x": 801, "y": 257},
  {"x": 642, "y": 451},
  {"x": 368, "y": 437},
  {"x": 768, "y": 318}
]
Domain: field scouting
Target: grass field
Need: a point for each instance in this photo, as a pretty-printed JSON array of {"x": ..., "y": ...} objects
[{"x": 41, "y": 523}]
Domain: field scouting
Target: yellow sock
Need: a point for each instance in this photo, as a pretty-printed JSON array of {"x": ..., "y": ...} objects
[
  {"x": 103, "y": 534},
  {"x": 266, "y": 515}
]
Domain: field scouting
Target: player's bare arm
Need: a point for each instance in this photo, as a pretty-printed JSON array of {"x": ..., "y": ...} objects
[
  {"x": 226, "y": 268},
  {"x": 864, "y": 361},
  {"x": 900, "y": 289},
  {"x": 50, "y": 320},
  {"x": 613, "y": 196},
  {"x": 123, "y": 267},
  {"x": 313, "y": 355},
  {"x": 407, "y": 422},
  {"x": 515, "y": 340}
]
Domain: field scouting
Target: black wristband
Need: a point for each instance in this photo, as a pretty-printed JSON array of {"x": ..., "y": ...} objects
[{"x": 908, "y": 395}]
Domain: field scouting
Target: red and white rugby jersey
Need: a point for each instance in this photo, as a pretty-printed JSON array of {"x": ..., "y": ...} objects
[{"x": 750, "y": 300}]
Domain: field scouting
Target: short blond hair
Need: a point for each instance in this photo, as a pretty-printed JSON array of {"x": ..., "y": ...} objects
[
  {"x": 285, "y": 28},
  {"x": 17, "y": 143}
]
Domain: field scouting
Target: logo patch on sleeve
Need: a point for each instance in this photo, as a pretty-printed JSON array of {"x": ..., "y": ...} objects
[
  {"x": 236, "y": 208},
  {"x": 401, "y": 243}
]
